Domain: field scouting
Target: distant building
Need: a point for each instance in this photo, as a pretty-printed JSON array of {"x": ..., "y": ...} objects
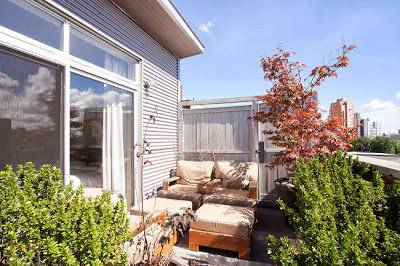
[
  {"x": 370, "y": 128},
  {"x": 344, "y": 110},
  {"x": 357, "y": 123},
  {"x": 396, "y": 136}
]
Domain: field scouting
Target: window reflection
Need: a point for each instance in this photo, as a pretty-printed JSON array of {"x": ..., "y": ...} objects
[
  {"x": 91, "y": 50},
  {"x": 29, "y": 112},
  {"x": 101, "y": 134},
  {"x": 31, "y": 21}
]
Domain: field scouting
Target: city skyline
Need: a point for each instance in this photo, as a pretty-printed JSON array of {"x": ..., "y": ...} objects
[{"x": 345, "y": 110}]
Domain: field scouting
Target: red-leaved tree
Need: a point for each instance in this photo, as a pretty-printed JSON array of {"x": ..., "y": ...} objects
[{"x": 293, "y": 111}]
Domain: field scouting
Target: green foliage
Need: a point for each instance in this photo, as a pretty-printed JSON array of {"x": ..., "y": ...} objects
[
  {"x": 393, "y": 211},
  {"x": 43, "y": 222},
  {"x": 379, "y": 144},
  {"x": 281, "y": 250},
  {"x": 361, "y": 144},
  {"x": 338, "y": 216}
]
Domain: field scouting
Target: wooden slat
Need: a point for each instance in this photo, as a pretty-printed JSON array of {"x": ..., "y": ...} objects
[
  {"x": 224, "y": 130},
  {"x": 222, "y": 241}
]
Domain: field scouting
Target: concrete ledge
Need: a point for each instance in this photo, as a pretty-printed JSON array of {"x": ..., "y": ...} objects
[{"x": 387, "y": 164}]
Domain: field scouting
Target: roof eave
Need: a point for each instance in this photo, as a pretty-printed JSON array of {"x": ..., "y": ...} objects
[{"x": 163, "y": 22}]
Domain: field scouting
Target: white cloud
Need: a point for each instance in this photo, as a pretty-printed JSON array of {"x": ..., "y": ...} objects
[
  {"x": 398, "y": 95},
  {"x": 207, "y": 27},
  {"x": 385, "y": 112},
  {"x": 90, "y": 99},
  {"x": 7, "y": 82},
  {"x": 388, "y": 117},
  {"x": 377, "y": 104},
  {"x": 32, "y": 106}
]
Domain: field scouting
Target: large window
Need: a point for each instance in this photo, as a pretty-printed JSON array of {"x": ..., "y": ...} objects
[
  {"x": 90, "y": 49},
  {"x": 92, "y": 80},
  {"x": 31, "y": 21},
  {"x": 29, "y": 111},
  {"x": 101, "y": 134}
]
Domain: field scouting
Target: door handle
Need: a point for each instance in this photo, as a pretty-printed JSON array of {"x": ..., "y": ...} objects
[{"x": 261, "y": 152}]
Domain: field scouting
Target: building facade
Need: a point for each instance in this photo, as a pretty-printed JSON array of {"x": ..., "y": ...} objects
[
  {"x": 79, "y": 82},
  {"x": 370, "y": 128},
  {"x": 357, "y": 123},
  {"x": 344, "y": 110}
]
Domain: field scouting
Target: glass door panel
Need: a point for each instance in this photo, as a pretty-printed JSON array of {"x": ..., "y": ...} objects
[
  {"x": 101, "y": 134},
  {"x": 29, "y": 111}
]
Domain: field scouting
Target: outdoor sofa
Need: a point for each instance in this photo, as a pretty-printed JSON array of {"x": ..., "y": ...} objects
[
  {"x": 224, "y": 196},
  {"x": 221, "y": 182}
]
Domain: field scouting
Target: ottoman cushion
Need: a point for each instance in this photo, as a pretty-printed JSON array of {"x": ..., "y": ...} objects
[
  {"x": 225, "y": 219},
  {"x": 160, "y": 204}
]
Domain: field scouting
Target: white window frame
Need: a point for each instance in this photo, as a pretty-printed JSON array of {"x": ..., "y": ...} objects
[{"x": 21, "y": 43}]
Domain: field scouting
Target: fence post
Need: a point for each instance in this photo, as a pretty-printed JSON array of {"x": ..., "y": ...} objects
[
  {"x": 254, "y": 109},
  {"x": 180, "y": 132}
]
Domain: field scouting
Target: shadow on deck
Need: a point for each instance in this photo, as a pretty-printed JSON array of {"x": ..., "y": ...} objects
[{"x": 270, "y": 221}]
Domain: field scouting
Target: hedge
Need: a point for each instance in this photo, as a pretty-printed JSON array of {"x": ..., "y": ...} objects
[
  {"x": 342, "y": 216},
  {"x": 45, "y": 223}
]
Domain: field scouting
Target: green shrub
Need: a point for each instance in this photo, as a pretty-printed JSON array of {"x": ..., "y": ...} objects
[
  {"x": 392, "y": 213},
  {"x": 45, "y": 223},
  {"x": 338, "y": 216}
]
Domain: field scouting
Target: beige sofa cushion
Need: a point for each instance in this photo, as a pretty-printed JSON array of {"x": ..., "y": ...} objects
[
  {"x": 209, "y": 187},
  {"x": 234, "y": 197},
  {"x": 155, "y": 205},
  {"x": 225, "y": 219},
  {"x": 182, "y": 192},
  {"x": 232, "y": 174},
  {"x": 191, "y": 173}
]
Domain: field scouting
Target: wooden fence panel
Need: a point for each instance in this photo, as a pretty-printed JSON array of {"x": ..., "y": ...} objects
[
  {"x": 223, "y": 133},
  {"x": 227, "y": 133}
]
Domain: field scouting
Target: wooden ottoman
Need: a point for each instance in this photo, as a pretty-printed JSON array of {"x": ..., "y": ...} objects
[{"x": 224, "y": 227}]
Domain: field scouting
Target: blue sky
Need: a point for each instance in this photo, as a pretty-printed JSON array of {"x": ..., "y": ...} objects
[{"x": 237, "y": 33}]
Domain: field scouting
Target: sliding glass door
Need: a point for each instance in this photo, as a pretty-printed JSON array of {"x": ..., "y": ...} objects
[
  {"x": 29, "y": 111},
  {"x": 70, "y": 102},
  {"x": 101, "y": 134}
]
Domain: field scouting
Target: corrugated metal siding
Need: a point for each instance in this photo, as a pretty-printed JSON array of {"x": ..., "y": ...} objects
[
  {"x": 160, "y": 66},
  {"x": 163, "y": 134}
]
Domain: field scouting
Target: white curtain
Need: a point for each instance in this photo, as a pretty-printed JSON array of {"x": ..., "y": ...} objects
[
  {"x": 113, "y": 149},
  {"x": 116, "y": 65}
]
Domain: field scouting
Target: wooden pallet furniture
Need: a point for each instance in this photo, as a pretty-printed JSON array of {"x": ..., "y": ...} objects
[
  {"x": 223, "y": 227},
  {"x": 221, "y": 241},
  {"x": 153, "y": 229}
]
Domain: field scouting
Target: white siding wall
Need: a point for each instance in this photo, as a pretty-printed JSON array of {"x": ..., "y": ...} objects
[{"x": 159, "y": 65}]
